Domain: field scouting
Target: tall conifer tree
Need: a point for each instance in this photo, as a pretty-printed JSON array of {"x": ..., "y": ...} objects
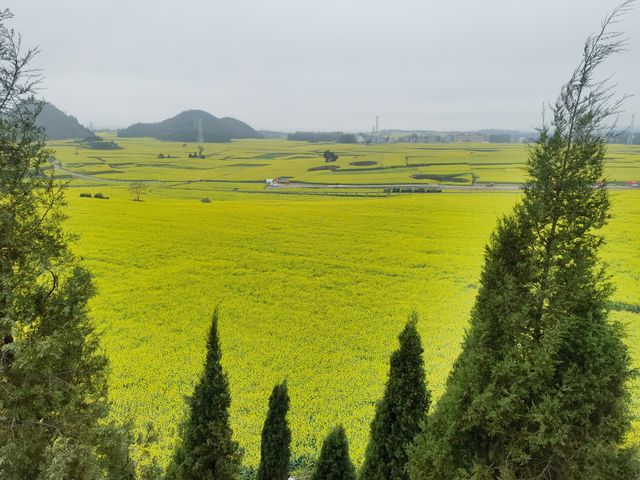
[
  {"x": 53, "y": 378},
  {"x": 540, "y": 388},
  {"x": 334, "y": 462},
  {"x": 276, "y": 437},
  {"x": 207, "y": 450},
  {"x": 401, "y": 411}
]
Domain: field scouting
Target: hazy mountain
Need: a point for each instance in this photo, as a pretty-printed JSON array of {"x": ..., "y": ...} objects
[
  {"x": 184, "y": 128},
  {"x": 59, "y": 125}
]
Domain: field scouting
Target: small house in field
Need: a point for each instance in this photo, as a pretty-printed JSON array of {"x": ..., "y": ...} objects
[{"x": 274, "y": 182}]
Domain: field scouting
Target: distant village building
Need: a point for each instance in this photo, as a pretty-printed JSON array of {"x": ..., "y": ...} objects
[{"x": 274, "y": 182}]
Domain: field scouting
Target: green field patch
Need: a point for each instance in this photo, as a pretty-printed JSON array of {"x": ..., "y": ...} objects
[
  {"x": 272, "y": 155},
  {"x": 363, "y": 163},
  {"x": 101, "y": 172},
  {"x": 456, "y": 178},
  {"x": 245, "y": 165},
  {"x": 466, "y": 149},
  {"x": 82, "y": 164},
  {"x": 324, "y": 167}
]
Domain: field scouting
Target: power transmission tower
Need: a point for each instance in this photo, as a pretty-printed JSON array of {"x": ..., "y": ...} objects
[
  {"x": 200, "y": 134},
  {"x": 630, "y": 135},
  {"x": 377, "y": 128}
]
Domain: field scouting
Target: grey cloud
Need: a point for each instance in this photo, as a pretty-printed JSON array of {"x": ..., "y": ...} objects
[{"x": 334, "y": 64}]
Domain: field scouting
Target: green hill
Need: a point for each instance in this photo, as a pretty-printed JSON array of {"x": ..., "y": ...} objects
[
  {"x": 184, "y": 128},
  {"x": 59, "y": 125}
]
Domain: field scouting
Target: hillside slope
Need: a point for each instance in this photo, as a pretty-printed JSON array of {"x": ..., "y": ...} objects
[
  {"x": 59, "y": 125},
  {"x": 184, "y": 128}
]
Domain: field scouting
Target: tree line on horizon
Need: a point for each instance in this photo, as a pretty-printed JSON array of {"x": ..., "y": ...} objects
[
  {"x": 322, "y": 137},
  {"x": 540, "y": 389}
]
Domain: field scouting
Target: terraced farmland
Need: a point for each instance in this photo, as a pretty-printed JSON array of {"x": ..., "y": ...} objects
[{"x": 245, "y": 164}]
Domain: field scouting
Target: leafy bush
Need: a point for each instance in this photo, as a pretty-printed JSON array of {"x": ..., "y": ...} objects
[
  {"x": 85, "y": 195},
  {"x": 101, "y": 196}
]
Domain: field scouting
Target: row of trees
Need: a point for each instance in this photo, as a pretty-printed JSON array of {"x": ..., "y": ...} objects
[
  {"x": 324, "y": 137},
  {"x": 206, "y": 449}
]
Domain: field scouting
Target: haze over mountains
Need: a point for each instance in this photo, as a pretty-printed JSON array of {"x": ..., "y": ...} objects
[
  {"x": 184, "y": 127},
  {"x": 58, "y": 125}
]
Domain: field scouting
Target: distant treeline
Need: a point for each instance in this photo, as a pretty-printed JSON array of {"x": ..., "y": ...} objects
[
  {"x": 317, "y": 137},
  {"x": 95, "y": 142},
  {"x": 624, "y": 137}
]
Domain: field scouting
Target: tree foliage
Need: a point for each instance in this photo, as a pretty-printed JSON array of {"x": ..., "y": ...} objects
[
  {"x": 539, "y": 390},
  {"x": 334, "y": 462},
  {"x": 276, "y": 437},
  {"x": 53, "y": 378},
  {"x": 401, "y": 411},
  {"x": 329, "y": 156},
  {"x": 138, "y": 189},
  {"x": 206, "y": 450}
]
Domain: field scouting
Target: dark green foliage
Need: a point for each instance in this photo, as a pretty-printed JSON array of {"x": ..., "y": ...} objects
[
  {"x": 102, "y": 145},
  {"x": 206, "y": 450},
  {"x": 334, "y": 462},
  {"x": 53, "y": 378},
  {"x": 58, "y": 125},
  {"x": 315, "y": 137},
  {"x": 499, "y": 138},
  {"x": 539, "y": 390},
  {"x": 329, "y": 156},
  {"x": 347, "y": 138},
  {"x": 275, "y": 449},
  {"x": 182, "y": 128},
  {"x": 401, "y": 411}
]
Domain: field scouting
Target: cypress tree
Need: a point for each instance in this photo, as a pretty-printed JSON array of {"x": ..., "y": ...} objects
[
  {"x": 539, "y": 389},
  {"x": 207, "y": 450},
  {"x": 275, "y": 448},
  {"x": 401, "y": 412},
  {"x": 334, "y": 462},
  {"x": 54, "y": 407}
]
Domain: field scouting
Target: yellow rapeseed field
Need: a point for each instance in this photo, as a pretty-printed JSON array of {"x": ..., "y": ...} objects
[
  {"x": 250, "y": 162},
  {"x": 312, "y": 289}
]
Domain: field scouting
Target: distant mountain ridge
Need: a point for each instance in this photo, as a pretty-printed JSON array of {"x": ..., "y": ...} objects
[
  {"x": 184, "y": 128},
  {"x": 58, "y": 125}
]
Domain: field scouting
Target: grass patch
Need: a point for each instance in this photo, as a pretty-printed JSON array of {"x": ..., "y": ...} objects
[{"x": 324, "y": 167}]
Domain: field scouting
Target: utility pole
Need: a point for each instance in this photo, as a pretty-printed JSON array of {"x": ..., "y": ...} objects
[{"x": 200, "y": 134}]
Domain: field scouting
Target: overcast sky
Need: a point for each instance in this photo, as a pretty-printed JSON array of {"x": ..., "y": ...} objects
[{"x": 318, "y": 65}]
